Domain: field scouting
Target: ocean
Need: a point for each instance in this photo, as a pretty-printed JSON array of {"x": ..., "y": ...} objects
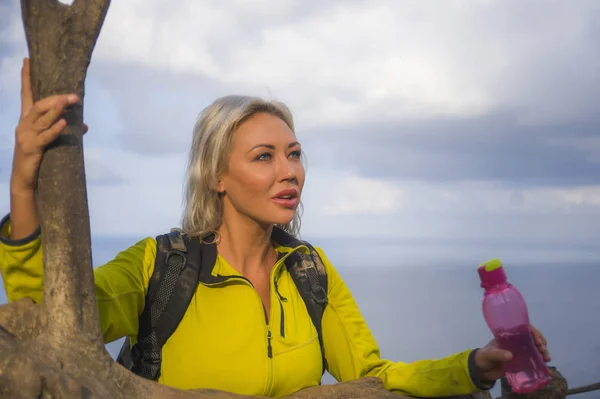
[
  {"x": 432, "y": 311},
  {"x": 422, "y": 313}
]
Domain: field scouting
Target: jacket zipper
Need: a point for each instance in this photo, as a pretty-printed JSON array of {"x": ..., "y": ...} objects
[
  {"x": 281, "y": 300},
  {"x": 269, "y": 338},
  {"x": 269, "y": 364},
  {"x": 269, "y": 348},
  {"x": 267, "y": 323}
]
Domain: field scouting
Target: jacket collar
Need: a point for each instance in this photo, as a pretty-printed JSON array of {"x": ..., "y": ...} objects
[{"x": 286, "y": 243}]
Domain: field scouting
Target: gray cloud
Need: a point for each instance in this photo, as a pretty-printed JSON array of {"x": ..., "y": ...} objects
[
  {"x": 494, "y": 147},
  {"x": 501, "y": 146},
  {"x": 157, "y": 111},
  {"x": 99, "y": 173},
  {"x": 8, "y": 12}
]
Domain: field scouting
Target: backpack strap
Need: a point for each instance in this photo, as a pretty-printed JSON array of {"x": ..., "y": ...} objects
[
  {"x": 170, "y": 291},
  {"x": 310, "y": 277}
]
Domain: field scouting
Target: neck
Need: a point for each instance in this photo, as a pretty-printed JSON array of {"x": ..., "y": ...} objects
[{"x": 246, "y": 245}]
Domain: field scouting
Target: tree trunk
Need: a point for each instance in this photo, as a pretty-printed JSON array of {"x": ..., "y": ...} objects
[
  {"x": 55, "y": 350},
  {"x": 61, "y": 40}
]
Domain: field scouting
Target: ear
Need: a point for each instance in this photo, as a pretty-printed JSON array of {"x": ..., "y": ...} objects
[{"x": 220, "y": 186}]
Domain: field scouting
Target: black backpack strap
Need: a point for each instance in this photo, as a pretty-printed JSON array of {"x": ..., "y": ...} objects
[
  {"x": 170, "y": 290},
  {"x": 310, "y": 277}
]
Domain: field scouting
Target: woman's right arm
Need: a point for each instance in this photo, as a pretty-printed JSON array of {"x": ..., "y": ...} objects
[
  {"x": 121, "y": 284},
  {"x": 39, "y": 125}
]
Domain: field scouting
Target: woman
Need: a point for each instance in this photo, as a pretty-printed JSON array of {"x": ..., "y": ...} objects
[{"x": 244, "y": 179}]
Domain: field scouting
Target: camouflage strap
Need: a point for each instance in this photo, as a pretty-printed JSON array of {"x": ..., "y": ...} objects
[{"x": 310, "y": 277}]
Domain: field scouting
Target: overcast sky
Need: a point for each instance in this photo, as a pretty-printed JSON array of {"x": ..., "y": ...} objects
[{"x": 466, "y": 128}]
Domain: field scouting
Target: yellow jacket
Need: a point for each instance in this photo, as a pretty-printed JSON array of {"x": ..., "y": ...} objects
[{"x": 222, "y": 340}]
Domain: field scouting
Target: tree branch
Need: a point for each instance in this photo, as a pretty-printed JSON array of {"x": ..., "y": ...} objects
[
  {"x": 584, "y": 388},
  {"x": 60, "y": 46}
]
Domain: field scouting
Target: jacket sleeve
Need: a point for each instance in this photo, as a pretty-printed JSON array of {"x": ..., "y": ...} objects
[
  {"x": 351, "y": 352},
  {"x": 121, "y": 284}
]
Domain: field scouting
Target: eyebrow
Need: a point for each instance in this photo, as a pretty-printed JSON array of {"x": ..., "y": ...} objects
[{"x": 272, "y": 147}]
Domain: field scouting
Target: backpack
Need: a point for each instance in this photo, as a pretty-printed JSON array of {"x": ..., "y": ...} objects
[{"x": 181, "y": 263}]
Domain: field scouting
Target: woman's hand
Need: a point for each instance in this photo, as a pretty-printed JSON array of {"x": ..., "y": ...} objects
[
  {"x": 489, "y": 360},
  {"x": 39, "y": 125}
]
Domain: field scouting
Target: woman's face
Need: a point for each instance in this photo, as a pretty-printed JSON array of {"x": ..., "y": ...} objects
[{"x": 265, "y": 175}]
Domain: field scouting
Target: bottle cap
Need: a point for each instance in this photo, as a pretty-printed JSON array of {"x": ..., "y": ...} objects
[{"x": 491, "y": 273}]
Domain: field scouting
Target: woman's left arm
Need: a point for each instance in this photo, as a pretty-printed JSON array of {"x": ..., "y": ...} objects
[{"x": 351, "y": 352}]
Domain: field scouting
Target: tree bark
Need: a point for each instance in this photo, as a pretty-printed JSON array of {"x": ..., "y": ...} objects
[
  {"x": 61, "y": 39},
  {"x": 55, "y": 350}
]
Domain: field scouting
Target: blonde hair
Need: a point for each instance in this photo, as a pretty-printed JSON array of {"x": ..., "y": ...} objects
[{"x": 208, "y": 159}]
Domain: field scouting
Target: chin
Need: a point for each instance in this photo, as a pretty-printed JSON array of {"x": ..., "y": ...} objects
[
  {"x": 282, "y": 221},
  {"x": 282, "y": 217}
]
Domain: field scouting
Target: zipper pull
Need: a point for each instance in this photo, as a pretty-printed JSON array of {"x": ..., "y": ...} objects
[
  {"x": 281, "y": 297},
  {"x": 269, "y": 348}
]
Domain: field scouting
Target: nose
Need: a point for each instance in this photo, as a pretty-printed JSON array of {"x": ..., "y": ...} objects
[{"x": 286, "y": 170}]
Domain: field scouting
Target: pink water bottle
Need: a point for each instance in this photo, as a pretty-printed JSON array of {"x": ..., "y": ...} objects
[{"x": 506, "y": 315}]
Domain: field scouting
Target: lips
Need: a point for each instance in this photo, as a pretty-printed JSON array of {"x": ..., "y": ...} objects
[{"x": 286, "y": 198}]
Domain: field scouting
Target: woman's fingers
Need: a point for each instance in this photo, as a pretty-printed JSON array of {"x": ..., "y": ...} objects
[
  {"x": 44, "y": 112},
  {"x": 540, "y": 342},
  {"x": 26, "y": 94},
  {"x": 47, "y": 119},
  {"x": 50, "y": 134},
  {"x": 538, "y": 336}
]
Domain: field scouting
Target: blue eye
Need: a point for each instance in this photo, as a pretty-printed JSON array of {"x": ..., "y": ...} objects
[
  {"x": 296, "y": 154},
  {"x": 265, "y": 156}
]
